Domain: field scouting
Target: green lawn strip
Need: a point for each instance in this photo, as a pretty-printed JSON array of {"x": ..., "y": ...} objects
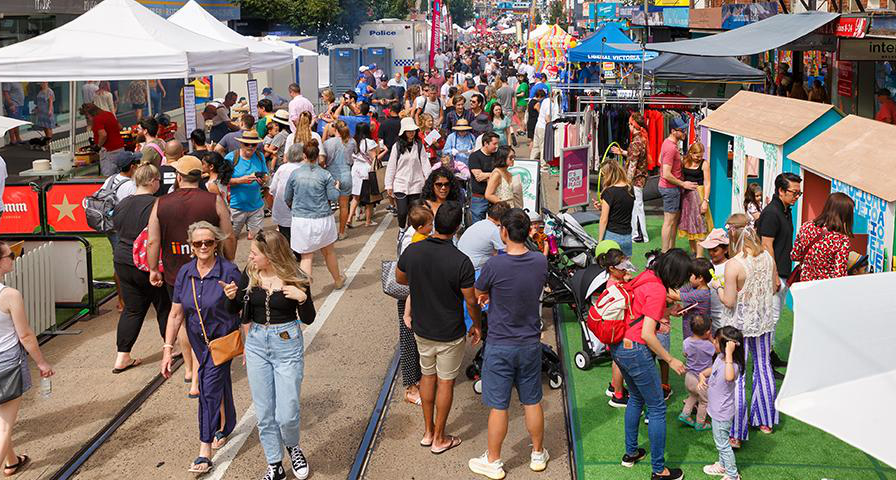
[
  {"x": 103, "y": 270},
  {"x": 796, "y": 450}
]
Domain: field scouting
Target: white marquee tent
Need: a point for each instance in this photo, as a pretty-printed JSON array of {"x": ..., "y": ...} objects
[
  {"x": 263, "y": 55},
  {"x": 296, "y": 50},
  {"x": 119, "y": 40}
]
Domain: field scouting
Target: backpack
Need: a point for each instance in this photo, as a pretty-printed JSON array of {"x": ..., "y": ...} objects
[
  {"x": 100, "y": 206},
  {"x": 139, "y": 252},
  {"x": 610, "y": 314}
]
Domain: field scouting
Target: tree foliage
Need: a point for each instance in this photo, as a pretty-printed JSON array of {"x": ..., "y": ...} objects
[
  {"x": 332, "y": 21},
  {"x": 556, "y": 15},
  {"x": 461, "y": 11}
]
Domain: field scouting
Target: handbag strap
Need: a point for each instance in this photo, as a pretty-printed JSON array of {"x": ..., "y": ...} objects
[
  {"x": 815, "y": 240},
  {"x": 198, "y": 310}
]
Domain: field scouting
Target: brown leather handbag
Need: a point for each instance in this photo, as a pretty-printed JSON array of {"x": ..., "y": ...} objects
[{"x": 223, "y": 349}]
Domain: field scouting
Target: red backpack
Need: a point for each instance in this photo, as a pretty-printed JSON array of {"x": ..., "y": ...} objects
[
  {"x": 139, "y": 251},
  {"x": 610, "y": 314}
]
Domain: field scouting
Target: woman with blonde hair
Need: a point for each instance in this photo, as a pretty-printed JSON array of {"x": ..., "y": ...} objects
[
  {"x": 616, "y": 204},
  {"x": 16, "y": 339},
  {"x": 696, "y": 219},
  {"x": 338, "y": 151},
  {"x": 636, "y": 165},
  {"x": 199, "y": 300},
  {"x": 274, "y": 296},
  {"x": 748, "y": 295},
  {"x": 303, "y": 133}
]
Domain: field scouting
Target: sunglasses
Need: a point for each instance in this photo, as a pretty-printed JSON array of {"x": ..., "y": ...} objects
[
  {"x": 795, "y": 193},
  {"x": 442, "y": 185},
  {"x": 204, "y": 243},
  {"x": 11, "y": 256}
]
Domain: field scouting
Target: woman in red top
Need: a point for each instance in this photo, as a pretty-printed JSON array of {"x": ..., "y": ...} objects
[
  {"x": 636, "y": 357},
  {"x": 427, "y": 125},
  {"x": 822, "y": 245}
]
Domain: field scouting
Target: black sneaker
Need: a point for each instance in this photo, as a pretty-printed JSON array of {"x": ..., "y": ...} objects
[
  {"x": 674, "y": 474},
  {"x": 610, "y": 390},
  {"x": 299, "y": 463},
  {"x": 618, "y": 402},
  {"x": 630, "y": 460},
  {"x": 777, "y": 362},
  {"x": 275, "y": 472}
]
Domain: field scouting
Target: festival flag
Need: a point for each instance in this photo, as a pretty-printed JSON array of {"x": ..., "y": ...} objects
[{"x": 436, "y": 38}]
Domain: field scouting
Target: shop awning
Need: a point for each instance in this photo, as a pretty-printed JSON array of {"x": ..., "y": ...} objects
[
  {"x": 762, "y": 117},
  {"x": 866, "y": 146},
  {"x": 751, "y": 39},
  {"x": 608, "y": 44},
  {"x": 670, "y": 66},
  {"x": 264, "y": 56}
]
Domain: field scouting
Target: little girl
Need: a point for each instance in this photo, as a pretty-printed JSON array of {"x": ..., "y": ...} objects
[
  {"x": 720, "y": 387},
  {"x": 696, "y": 297},
  {"x": 698, "y": 352},
  {"x": 753, "y": 201},
  {"x": 620, "y": 269}
]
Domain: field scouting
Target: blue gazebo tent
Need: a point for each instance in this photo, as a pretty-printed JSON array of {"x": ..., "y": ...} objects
[{"x": 608, "y": 44}]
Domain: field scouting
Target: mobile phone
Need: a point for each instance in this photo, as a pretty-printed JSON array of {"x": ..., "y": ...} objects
[
  {"x": 685, "y": 309},
  {"x": 259, "y": 175}
]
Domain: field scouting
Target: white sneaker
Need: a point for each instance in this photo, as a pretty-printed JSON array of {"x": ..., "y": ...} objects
[
  {"x": 539, "y": 461},
  {"x": 481, "y": 465},
  {"x": 715, "y": 469}
]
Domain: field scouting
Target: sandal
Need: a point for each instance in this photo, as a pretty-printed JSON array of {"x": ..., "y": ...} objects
[
  {"x": 766, "y": 430},
  {"x": 200, "y": 466},
  {"x": 408, "y": 398},
  {"x": 735, "y": 443},
  {"x": 686, "y": 419},
  {"x": 220, "y": 440},
  {"x": 424, "y": 443},
  {"x": 371, "y": 224},
  {"x": 134, "y": 363},
  {"x": 24, "y": 460},
  {"x": 455, "y": 441},
  {"x": 702, "y": 427}
]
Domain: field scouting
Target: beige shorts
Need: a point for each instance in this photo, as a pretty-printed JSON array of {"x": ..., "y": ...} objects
[{"x": 441, "y": 358}]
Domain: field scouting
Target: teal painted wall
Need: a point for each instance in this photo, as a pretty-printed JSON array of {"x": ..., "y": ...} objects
[{"x": 720, "y": 194}]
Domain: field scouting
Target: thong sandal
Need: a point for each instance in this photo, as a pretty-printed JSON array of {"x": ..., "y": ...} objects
[
  {"x": 134, "y": 363},
  {"x": 201, "y": 466},
  {"x": 455, "y": 441},
  {"x": 24, "y": 460},
  {"x": 220, "y": 440}
]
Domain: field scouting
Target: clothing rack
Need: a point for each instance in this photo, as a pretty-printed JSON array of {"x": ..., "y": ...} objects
[{"x": 642, "y": 102}]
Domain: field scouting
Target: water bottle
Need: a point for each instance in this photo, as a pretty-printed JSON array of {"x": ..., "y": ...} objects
[
  {"x": 552, "y": 245},
  {"x": 46, "y": 387}
]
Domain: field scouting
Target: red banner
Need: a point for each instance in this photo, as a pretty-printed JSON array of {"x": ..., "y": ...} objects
[
  {"x": 65, "y": 206},
  {"x": 844, "y": 79},
  {"x": 21, "y": 213},
  {"x": 852, "y": 27},
  {"x": 436, "y": 39}
]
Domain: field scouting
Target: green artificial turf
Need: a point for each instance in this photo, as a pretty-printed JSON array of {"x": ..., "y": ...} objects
[
  {"x": 103, "y": 270},
  {"x": 794, "y": 451}
]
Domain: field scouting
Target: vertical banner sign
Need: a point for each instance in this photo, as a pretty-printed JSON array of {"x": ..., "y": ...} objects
[
  {"x": 530, "y": 179},
  {"x": 436, "y": 38},
  {"x": 252, "y": 86},
  {"x": 190, "y": 108},
  {"x": 844, "y": 79},
  {"x": 873, "y": 209},
  {"x": 574, "y": 177}
]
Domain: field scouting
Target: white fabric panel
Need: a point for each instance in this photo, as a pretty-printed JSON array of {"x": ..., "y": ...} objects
[
  {"x": 296, "y": 50},
  {"x": 841, "y": 376},
  {"x": 119, "y": 40},
  {"x": 263, "y": 56},
  {"x": 7, "y": 124}
]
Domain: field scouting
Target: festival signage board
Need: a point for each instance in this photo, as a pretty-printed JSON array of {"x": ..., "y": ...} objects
[
  {"x": 65, "y": 205},
  {"x": 873, "y": 209},
  {"x": 190, "y": 108},
  {"x": 844, "y": 78},
  {"x": 574, "y": 177},
  {"x": 530, "y": 178},
  {"x": 252, "y": 88},
  {"x": 738, "y": 15},
  {"x": 676, "y": 17},
  {"x": 21, "y": 213}
]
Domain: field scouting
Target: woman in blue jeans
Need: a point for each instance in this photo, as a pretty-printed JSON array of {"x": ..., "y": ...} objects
[
  {"x": 636, "y": 357},
  {"x": 274, "y": 296}
]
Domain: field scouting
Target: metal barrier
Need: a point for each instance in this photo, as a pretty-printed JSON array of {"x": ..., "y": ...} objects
[{"x": 33, "y": 276}]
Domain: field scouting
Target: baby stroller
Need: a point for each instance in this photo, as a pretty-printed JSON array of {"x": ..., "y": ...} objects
[
  {"x": 550, "y": 363},
  {"x": 584, "y": 284},
  {"x": 574, "y": 252}
]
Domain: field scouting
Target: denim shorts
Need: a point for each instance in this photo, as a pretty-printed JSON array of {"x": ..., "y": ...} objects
[
  {"x": 671, "y": 199},
  {"x": 624, "y": 241},
  {"x": 508, "y": 366},
  {"x": 665, "y": 340}
]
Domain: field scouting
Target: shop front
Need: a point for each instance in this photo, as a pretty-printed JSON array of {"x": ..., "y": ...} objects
[{"x": 866, "y": 62}]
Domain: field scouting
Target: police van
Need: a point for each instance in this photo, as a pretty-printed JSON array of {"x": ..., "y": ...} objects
[{"x": 409, "y": 40}]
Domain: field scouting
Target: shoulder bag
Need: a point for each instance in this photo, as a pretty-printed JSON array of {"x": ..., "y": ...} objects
[
  {"x": 798, "y": 269},
  {"x": 391, "y": 286},
  {"x": 223, "y": 349}
]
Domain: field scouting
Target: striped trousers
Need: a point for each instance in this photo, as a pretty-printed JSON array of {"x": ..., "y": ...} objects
[{"x": 762, "y": 408}]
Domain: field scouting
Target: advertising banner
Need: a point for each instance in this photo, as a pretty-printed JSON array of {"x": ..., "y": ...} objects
[
  {"x": 876, "y": 49},
  {"x": 436, "y": 38},
  {"x": 22, "y": 210},
  {"x": 627, "y": 12},
  {"x": 606, "y": 10},
  {"x": 190, "y": 108},
  {"x": 710, "y": 18},
  {"x": 252, "y": 88},
  {"x": 676, "y": 17},
  {"x": 738, "y": 15},
  {"x": 655, "y": 17},
  {"x": 530, "y": 178},
  {"x": 574, "y": 176},
  {"x": 852, "y": 27},
  {"x": 673, "y": 3},
  {"x": 844, "y": 79},
  {"x": 65, "y": 206}
]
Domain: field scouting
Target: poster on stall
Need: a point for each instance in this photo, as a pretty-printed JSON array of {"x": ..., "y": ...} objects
[
  {"x": 574, "y": 175},
  {"x": 65, "y": 205},
  {"x": 530, "y": 179},
  {"x": 190, "y": 108},
  {"x": 21, "y": 213},
  {"x": 252, "y": 86}
]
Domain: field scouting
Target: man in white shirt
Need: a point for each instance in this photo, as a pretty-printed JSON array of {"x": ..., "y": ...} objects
[
  {"x": 299, "y": 103},
  {"x": 430, "y": 103},
  {"x": 547, "y": 109},
  {"x": 483, "y": 239},
  {"x": 88, "y": 91},
  {"x": 446, "y": 87},
  {"x": 441, "y": 61}
]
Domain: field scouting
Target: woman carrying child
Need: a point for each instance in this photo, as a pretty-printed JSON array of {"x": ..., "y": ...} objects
[
  {"x": 748, "y": 294},
  {"x": 721, "y": 389}
]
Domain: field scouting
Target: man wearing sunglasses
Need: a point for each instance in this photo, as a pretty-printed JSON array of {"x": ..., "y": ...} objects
[{"x": 775, "y": 228}]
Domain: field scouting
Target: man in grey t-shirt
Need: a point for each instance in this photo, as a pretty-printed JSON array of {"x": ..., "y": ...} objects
[
  {"x": 505, "y": 94},
  {"x": 483, "y": 239}
]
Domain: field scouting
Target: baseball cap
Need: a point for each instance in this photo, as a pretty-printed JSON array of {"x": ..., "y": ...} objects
[
  {"x": 126, "y": 159},
  {"x": 715, "y": 238},
  {"x": 605, "y": 246},
  {"x": 187, "y": 164},
  {"x": 267, "y": 90},
  {"x": 679, "y": 123}
]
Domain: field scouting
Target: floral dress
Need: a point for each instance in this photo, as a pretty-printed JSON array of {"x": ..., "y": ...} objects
[
  {"x": 43, "y": 115},
  {"x": 828, "y": 257},
  {"x": 637, "y": 160}
]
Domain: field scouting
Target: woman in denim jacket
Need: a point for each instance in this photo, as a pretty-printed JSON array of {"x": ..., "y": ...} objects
[{"x": 309, "y": 191}]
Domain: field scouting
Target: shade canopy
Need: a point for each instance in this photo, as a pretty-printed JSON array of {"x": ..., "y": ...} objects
[
  {"x": 671, "y": 66},
  {"x": 762, "y": 117},
  {"x": 867, "y": 144},
  {"x": 827, "y": 366},
  {"x": 608, "y": 44},
  {"x": 263, "y": 56},
  {"x": 751, "y": 39},
  {"x": 119, "y": 40},
  {"x": 296, "y": 50}
]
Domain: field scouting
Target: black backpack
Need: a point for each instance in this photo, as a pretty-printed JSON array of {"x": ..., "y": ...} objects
[{"x": 100, "y": 206}]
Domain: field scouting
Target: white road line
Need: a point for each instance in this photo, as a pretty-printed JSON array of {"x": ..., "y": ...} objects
[{"x": 225, "y": 455}]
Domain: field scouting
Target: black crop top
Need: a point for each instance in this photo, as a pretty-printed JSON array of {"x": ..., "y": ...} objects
[
  {"x": 282, "y": 309},
  {"x": 693, "y": 174}
]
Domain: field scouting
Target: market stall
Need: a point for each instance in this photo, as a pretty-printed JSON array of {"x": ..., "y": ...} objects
[
  {"x": 869, "y": 179},
  {"x": 609, "y": 44},
  {"x": 550, "y": 48},
  {"x": 750, "y": 139},
  {"x": 685, "y": 68}
]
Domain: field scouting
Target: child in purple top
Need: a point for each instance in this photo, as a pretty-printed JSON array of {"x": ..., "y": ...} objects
[
  {"x": 697, "y": 294},
  {"x": 720, "y": 390},
  {"x": 698, "y": 352}
]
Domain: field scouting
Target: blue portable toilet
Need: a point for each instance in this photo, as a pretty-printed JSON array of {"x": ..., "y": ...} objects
[
  {"x": 344, "y": 62},
  {"x": 381, "y": 55}
]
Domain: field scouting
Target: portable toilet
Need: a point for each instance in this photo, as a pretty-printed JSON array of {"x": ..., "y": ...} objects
[
  {"x": 381, "y": 55},
  {"x": 344, "y": 62}
]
